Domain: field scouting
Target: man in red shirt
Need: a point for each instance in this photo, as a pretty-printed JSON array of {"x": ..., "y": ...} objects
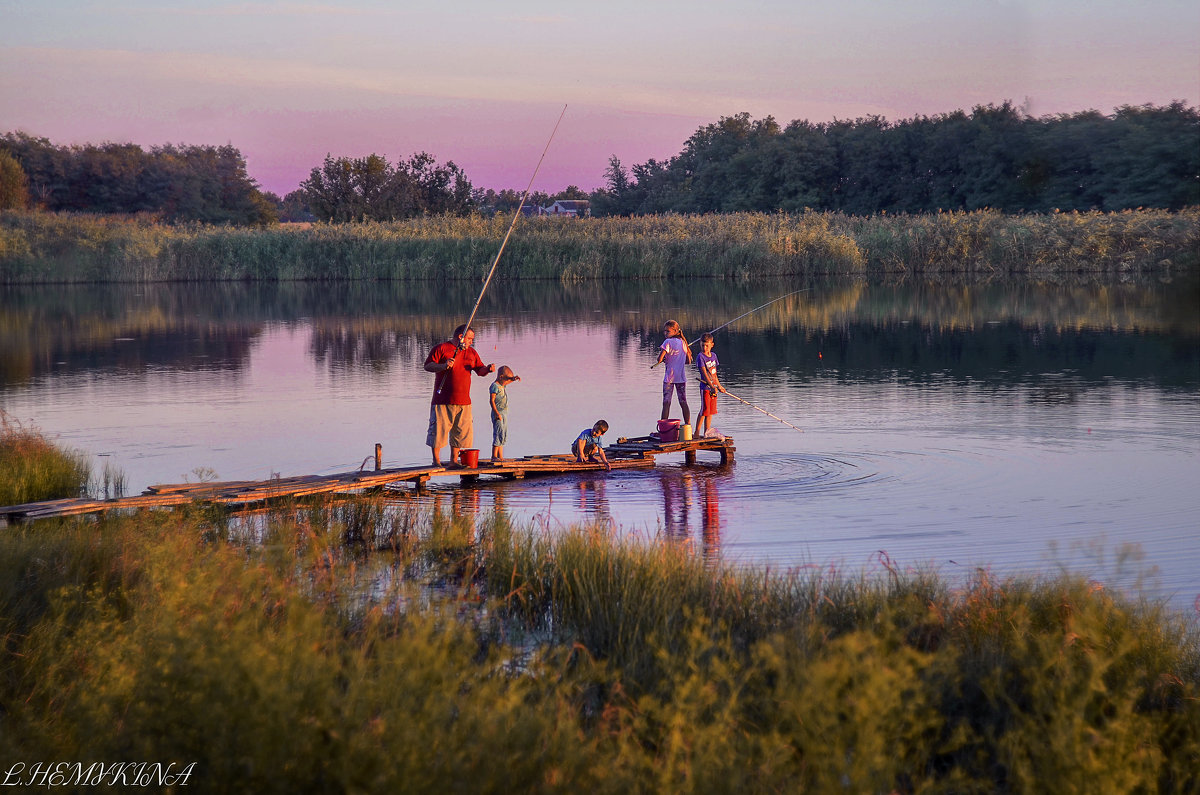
[{"x": 450, "y": 412}]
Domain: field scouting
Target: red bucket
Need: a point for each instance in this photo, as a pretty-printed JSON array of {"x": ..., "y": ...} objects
[
  {"x": 469, "y": 458},
  {"x": 668, "y": 430}
]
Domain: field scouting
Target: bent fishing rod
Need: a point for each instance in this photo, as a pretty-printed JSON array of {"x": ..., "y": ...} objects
[
  {"x": 512, "y": 225},
  {"x": 752, "y": 311},
  {"x": 764, "y": 411},
  {"x": 739, "y": 317}
]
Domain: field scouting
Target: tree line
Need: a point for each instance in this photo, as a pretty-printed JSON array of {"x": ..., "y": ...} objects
[
  {"x": 210, "y": 184},
  {"x": 994, "y": 157},
  {"x": 178, "y": 183}
]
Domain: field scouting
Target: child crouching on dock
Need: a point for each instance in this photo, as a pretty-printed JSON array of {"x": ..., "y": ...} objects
[{"x": 587, "y": 445}]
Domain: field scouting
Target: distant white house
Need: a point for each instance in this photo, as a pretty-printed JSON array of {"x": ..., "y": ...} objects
[{"x": 573, "y": 207}]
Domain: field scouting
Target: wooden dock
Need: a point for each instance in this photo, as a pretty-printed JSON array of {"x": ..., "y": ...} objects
[{"x": 626, "y": 453}]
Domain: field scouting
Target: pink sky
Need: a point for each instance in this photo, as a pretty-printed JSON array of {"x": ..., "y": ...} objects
[{"x": 483, "y": 83}]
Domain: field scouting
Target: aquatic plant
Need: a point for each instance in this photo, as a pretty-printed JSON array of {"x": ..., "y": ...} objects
[
  {"x": 49, "y": 247},
  {"x": 32, "y": 468},
  {"x": 353, "y": 646}
]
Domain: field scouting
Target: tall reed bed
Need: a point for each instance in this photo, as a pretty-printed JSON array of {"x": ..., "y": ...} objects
[
  {"x": 32, "y": 468},
  {"x": 356, "y": 647},
  {"x": 43, "y": 247},
  {"x": 893, "y": 683}
]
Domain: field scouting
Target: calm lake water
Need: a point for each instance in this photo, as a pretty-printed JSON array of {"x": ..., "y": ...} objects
[{"x": 1024, "y": 428}]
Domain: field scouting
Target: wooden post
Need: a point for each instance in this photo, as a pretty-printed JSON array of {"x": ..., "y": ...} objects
[
  {"x": 689, "y": 457},
  {"x": 378, "y": 456}
]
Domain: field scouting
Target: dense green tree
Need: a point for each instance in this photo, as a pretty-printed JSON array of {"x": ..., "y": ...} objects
[
  {"x": 995, "y": 156},
  {"x": 615, "y": 197},
  {"x": 571, "y": 192},
  {"x": 294, "y": 208},
  {"x": 179, "y": 183},
  {"x": 14, "y": 185},
  {"x": 330, "y": 190},
  {"x": 805, "y": 161},
  {"x": 370, "y": 188}
]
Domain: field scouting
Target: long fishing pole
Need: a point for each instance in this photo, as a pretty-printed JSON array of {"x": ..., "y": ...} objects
[
  {"x": 751, "y": 312},
  {"x": 739, "y": 317},
  {"x": 512, "y": 225},
  {"x": 764, "y": 411}
]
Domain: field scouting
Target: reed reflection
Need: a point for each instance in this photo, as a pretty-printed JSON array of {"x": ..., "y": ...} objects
[{"x": 1135, "y": 331}]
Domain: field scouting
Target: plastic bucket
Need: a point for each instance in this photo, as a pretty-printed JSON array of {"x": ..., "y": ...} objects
[
  {"x": 668, "y": 430},
  {"x": 469, "y": 458},
  {"x": 687, "y": 433}
]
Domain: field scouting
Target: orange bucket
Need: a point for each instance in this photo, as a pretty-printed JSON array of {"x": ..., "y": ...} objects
[{"x": 469, "y": 458}]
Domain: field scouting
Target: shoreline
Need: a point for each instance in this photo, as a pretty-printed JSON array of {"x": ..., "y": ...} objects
[{"x": 39, "y": 247}]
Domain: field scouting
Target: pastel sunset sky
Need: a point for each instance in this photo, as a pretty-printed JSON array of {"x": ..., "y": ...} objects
[{"x": 482, "y": 83}]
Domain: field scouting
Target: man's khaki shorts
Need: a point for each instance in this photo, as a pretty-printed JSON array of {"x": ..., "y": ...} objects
[{"x": 449, "y": 424}]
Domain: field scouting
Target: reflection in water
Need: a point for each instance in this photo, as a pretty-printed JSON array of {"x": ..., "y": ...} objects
[
  {"x": 1142, "y": 331},
  {"x": 351, "y": 347},
  {"x": 593, "y": 501},
  {"x": 944, "y": 420},
  {"x": 691, "y": 506},
  {"x": 676, "y": 498},
  {"x": 712, "y": 520}
]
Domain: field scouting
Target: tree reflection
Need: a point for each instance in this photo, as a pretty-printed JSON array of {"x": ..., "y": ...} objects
[{"x": 1136, "y": 330}]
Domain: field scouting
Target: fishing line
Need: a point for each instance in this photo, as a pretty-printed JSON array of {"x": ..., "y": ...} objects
[
  {"x": 764, "y": 411},
  {"x": 751, "y": 312},
  {"x": 516, "y": 215}
]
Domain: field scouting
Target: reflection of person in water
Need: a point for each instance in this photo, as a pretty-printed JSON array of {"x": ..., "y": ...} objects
[
  {"x": 464, "y": 503},
  {"x": 593, "y": 501},
  {"x": 675, "y": 504},
  {"x": 712, "y": 520}
]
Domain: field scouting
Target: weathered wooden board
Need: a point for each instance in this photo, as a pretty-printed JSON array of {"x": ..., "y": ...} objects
[{"x": 637, "y": 453}]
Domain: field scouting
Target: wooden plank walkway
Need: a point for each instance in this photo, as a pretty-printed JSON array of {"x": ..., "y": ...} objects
[{"x": 626, "y": 453}]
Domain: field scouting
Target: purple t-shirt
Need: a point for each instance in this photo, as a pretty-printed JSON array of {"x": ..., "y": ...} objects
[
  {"x": 706, "y": 362},
  {"x": 675, "y": 361}
]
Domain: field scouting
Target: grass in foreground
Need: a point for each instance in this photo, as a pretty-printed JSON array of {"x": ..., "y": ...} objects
[{"x": 365, "y": 648}]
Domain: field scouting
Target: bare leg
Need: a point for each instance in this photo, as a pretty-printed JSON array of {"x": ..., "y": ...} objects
[
  {"x": 687, "y": 412},
  {"x": 453, "y": 456},
  {"x": 437, "y": 456}
]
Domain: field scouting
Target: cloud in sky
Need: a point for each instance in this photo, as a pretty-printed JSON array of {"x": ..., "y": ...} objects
[{"x": 481, "y": 83}]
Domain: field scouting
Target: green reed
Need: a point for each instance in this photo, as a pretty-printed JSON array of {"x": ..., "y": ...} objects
[
  {"x": 32, "y": 468},
  {"x": 46, "y": 247},
  {"x": 372, "y": 646}
]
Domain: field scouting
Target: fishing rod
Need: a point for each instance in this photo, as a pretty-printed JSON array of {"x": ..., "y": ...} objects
[
  {"x": 512, "y": 225},
  {"x": 752, "y": 311},
  {"x": 764, "y": 411},
  {"x": 739, "y": 317}
]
